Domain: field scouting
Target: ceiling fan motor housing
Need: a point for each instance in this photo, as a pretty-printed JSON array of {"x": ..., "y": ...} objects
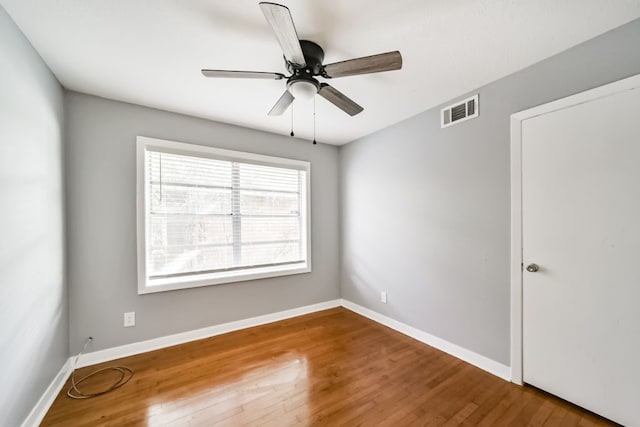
[
  {"x": 302, "y": 83},
  {"x": 313, "y": 56}
]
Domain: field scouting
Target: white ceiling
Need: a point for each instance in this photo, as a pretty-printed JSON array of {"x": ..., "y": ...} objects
[{"x": 150, "y": 52}]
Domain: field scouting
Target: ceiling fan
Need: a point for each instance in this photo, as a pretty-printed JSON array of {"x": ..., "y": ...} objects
[{"x": 303, "y": 59}]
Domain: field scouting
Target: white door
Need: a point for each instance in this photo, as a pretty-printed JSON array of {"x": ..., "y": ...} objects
[{"x": 581, "y": 226}]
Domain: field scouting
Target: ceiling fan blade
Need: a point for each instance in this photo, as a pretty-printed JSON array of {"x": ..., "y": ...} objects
[
  {"x": 282, "y": 104},
  {"x": 339, "y": 99},
  {"x": 281, "y": 22},
  {"x": 365, "y": 65},
  {"x": 242, "y": 74}
]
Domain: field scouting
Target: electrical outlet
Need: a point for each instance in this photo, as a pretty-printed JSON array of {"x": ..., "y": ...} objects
[
  {"x": 130, "y": 319},
  {"x": 383, "y": 297}
]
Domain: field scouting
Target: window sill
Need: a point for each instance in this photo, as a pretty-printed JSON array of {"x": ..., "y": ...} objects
[{"x": 149, "y": 286}]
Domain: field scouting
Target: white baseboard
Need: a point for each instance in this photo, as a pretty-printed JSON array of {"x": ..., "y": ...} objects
[
  {"x": 468, "y": 356},
  {"x": 38, "y": 412},
  {"x": 462, "y": 353},
  {"x": 183, "y": 337}
]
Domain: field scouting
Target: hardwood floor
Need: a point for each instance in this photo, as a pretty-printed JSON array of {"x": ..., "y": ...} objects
[{"x": 330, "y": 368}]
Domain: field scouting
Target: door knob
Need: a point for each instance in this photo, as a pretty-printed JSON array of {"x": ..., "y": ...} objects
[{"x": 532, "y": 268}]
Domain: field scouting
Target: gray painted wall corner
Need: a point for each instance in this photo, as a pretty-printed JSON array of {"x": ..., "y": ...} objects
[
  {"x": 425, "y": 211},
  {"x": 33, "y": 294},
  {"x": 101, "y": 165}
]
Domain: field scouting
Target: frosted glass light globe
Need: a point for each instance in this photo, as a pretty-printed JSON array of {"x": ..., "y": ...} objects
[{"x": 303, "y": 90}]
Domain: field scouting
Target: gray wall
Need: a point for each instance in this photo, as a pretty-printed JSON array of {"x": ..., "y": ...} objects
[
  {"x": 425, "y": 211},
  {"x": 33, "y": 299},
  {"x": 101, "y": 208}
]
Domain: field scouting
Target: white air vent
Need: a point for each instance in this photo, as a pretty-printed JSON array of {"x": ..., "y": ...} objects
[{"x": 459, "y": 112}]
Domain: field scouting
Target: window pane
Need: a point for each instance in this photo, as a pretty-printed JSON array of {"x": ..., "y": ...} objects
[
  {"x": 257, "y": 177},
  {"x": 194, "y": 171},
  {"x": 178, "y": 260},
  {"x": 269, "y": 203},
  {"x": 269, "y": 229},
  {"x": 180, "y": 230},
  {"x": 180, "y": 244},
  {"x": 270, "y": 253},
  {"x": 174, "y": 198}
]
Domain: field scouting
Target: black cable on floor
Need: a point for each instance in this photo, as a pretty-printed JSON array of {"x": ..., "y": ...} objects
[{"x": 126, "y": 374}]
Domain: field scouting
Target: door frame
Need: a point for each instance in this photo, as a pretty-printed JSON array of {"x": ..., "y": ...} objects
[{"x": 516, "y": 264}]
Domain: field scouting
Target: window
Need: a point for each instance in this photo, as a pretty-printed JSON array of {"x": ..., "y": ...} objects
[{"x": 208, "y": 216}]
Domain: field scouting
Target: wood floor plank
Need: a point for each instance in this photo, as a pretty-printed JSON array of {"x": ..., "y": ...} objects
[{"x": 332, "y": 368}]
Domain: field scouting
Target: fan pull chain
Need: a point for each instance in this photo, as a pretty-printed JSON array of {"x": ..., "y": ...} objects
[
  {"x": 292, "y": 120},
  {"x": 314, "y": 120}
]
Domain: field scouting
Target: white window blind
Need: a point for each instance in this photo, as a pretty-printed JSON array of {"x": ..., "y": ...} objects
[{"x": 211, "y": 216}]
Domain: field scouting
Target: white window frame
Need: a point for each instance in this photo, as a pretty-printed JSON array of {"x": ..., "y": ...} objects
[{"x": 146, "y": 285}]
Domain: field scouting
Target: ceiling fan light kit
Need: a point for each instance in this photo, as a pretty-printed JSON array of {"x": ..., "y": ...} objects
[
  {"x": 304, "y": 60},
  {"x": 301, "y": 89}
]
